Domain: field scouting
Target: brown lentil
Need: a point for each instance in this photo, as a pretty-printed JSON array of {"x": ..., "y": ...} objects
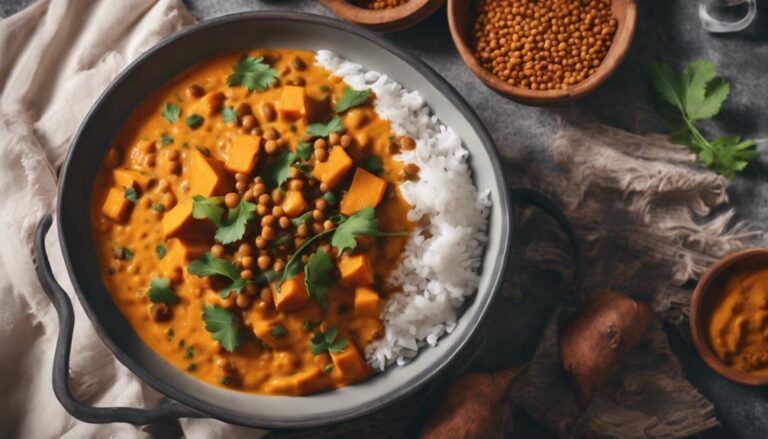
[{"x": 379, "y": 4}]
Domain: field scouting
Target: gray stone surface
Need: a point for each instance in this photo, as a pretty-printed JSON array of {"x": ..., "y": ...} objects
[{"x": 668, "y": 30}]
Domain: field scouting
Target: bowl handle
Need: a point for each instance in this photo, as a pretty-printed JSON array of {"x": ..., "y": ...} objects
[
  {"x": 166, "y": 409},
  {"x": 537, "y": 199}
]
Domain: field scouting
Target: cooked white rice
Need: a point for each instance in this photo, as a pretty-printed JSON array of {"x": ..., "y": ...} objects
[{"x": 437, "y": 272}]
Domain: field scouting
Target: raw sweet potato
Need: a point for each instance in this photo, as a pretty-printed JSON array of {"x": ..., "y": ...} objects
[{"x": 593, "y": 340}]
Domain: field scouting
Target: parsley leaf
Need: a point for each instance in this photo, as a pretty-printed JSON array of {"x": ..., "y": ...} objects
[
  {"x": 277, "y": 331},
  {"x": 194, "y": 121},
  {"x": 233, "y": 228},
  {"x": 351, "y": 98},
  {"x": 161, "y": 251},
  {"x": 207, "y": 265},
  {"x": 229, "y": 115},
  {"x": 210, "y": 208},
  {"x": 252, "y": 73},
  {"x": 372, "y": 164},
  {"x": 304, "y": 150},
  {"x": 160, "y": 291},
  {"x": 278, "y": 172},
  {"x": 166, "y": 139},
  {"x": 122, "y": 253},
  {"x": 325, "y": 129},
  {"x": 171, "y": 112},
  {"x": 131, "y": 194},
  {"x": 224, "y": 325},
  {"x": 318, "y": 277},
  {"x": 328, "y": 341},
  {"x": 697, "y": 94},
  {"x": 362, "y": 222}
]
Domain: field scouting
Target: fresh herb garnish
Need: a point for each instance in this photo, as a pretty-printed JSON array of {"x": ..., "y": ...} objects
[
  {"x": 328, "y": 341},
  {"x": 161, "y": 251},
  {"x": 303, "y": 218},
  {"x": 169, "y": 334},
  {"x": 122, "y": 253},
  {"x": 225, "y": 380},
  {"x": 285, "y": 239},
  {"x": 362, "y": 222},
  {"x": 697, "y": 94},
  {"x": 229, "y": 115},
  {"x": 304, "y": 150},
  {"x": 372, "y": 164},
  {"x": 160, "y": 291},
  {"x": 189, "y": 353},
  {"x": 278, "y": 172},
  {"x": 277, "y": 331},
  {"x": 351, "y": 98},
  {"x": 194, "y": 121},
  {"x": 131, "y": 194},
  {"x": 224, "y": 325},
  {"x": 293, "y": 266},
  {"x": 329, "y": 198},
  {"x": 158, "y": 207},
  {"x": 229, "y": 229},
  {"x": 171, "y": 112},
  {"x": 191, "y": 367},
  {"x": 203, "y": 150},
  {"x": 166, "y": 139},
  {"x": 207, "y": 265},
  {"x": 182, "y": 343},
  {"x": 325, "y": 129},
  {"x": 318, "y": 277},
  {"x": 252, "y": 73},
  {"x": 328, "y": 368},
  {"x": 306, "y": 325}
]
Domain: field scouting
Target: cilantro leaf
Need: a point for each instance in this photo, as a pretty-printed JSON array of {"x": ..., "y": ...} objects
[
  {"x": 229, "y": 115},
  {"x": 329, "y": 198},
  {"x": 166, "y": 139},
  {"x": 278, "y": 172},
  {"x": 131, "y": 194},
  {"x": 252, "y": 73},
  {"x": 325, "y": 129},
  {"x": 161, "y": 251},
  {"x": 224, "y": 325},
  {"x": 157, "y": 207},
  {"x": 362, "y": 222},
  {"x": 233, "y": 228},
  {"x": 318, "y": 277},
  {"x": 210, "y": 208},
  {"x": 351, "y": 98},
  {"x": 327, "y": 341},
  {"x": 697, "y": 94},
  {"x": 160, "y": 291},
  {"x": 194, "y": 121},
  {"x": 171, "y": 112},
  {"x": 207, "y": 265},
  {"x": 304, "y": 150},
  {"x": 277, "y": 331},
  {"x": 122, "y": 253},
  {"x": 299, "y": 220},
  {"x": 293, "y": 266},
  {"x": 372, "y": 164}
]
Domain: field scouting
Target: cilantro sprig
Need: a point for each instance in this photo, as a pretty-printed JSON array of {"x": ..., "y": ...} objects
[
  {"x": 171, "y": 112},
  {"x": 252, "y": 73},
  {"x": 229, "y": 115},
  {"x": 230, "y": 228},
  {"x": 318, "y": 277},
  {"x": 698, "y": 94},
  {"x": 351, "y": 98},
  {"x": 207, "y": 265},
  {"x": 225, "y": 327},
  {"x": 328, "y": 341},
  {"x": 362, "y": 222},
  {"x": 160, "y": 291},
  {"x": 325, "y": 129}
]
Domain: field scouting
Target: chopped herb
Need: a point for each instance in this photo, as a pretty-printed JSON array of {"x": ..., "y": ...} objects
[
  {"x": 277, "y": 331},
  {"x": 189, "y": 353},
  {"x": 299, "y": 220},
  {"x": 318, "y": 277},
  {"x": 166, "y": 139},
  {"x": 171, "y": 112},
  {"x": 325, "y": 129},
  {"x": 278, "y": 172},
  {"x": 158, "y": 207},
  {"x": 225, "y": 380},
  {"x": 161, "y": 251},
  {"x": 307, "y": 325},
  {"x": 160, "y": 291},
  {"x": 304, "y": 150},
  {"x": 285, "y": 239},
  {"x": 224, "y": 325},
  {"x": 203, "y": 150},
  {"x": 169, "y": 334},
  {"x": 181, "y": 343},
  {"x": 122, "y": 253},
  {"x": 230, "y": 229},
  {"x": 372, "y": 164},
  {"x": 131, "y": 194},
  {"x": 351, "y": 98},
  {"x": 328, "y": 341},
  {"x": 194, "y": 121},
  {"x": 229, "y": 115},
  {"x": 328, "y": 368},
  {"x": 362, "y": 222},
  {"x": 252, "y": 73},
  {"x": 207, "y": 265},
  {"x": 191, "y": 367},
  {"x": 329, "y": 198}
]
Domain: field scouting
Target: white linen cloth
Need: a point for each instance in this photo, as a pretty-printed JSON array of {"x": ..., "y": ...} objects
[{"x": 56, "y": 57}]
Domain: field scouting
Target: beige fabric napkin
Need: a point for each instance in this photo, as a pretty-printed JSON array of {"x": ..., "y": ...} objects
[{"x": 57, "y": 57}]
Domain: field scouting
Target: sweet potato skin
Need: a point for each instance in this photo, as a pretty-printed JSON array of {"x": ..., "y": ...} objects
[{"x": 593, "y": 340}]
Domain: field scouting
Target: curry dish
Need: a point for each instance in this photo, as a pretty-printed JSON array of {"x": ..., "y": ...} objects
[{"x": 245, "y": 220}]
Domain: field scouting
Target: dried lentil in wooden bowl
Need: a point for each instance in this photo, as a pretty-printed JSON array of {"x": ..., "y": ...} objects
[
  {"x": 542, "y": 52},
  {"x": 383, "y": 15}
]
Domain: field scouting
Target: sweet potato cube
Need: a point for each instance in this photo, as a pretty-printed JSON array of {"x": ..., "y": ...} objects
[
  {"x": 367, "y": 302},
  {"x": 115, "y": 206},
  {"x": 125, "y": 178},
  {"x": 294, "y": 204},
  {"x": 293, "y": 102},
  {"x": 308, "y": 381},
  {"x": 367, "y": 190},
  {"x": 209, "y": 105},
  {"x": 334, "y": 169},
  {"x": 244, "y": 154},
  {"x": 206, "y": 176},
  {"x": 350, "y": 363},
  {"x": 356, "y": 271},
  {"x": 179, "y": 223},
  {"x": 292, "y": 294}
]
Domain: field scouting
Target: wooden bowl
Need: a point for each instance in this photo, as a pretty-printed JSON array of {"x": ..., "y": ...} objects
[
  {"x": 384, "y": 20},
  {"x": 461, "y": 17},
  {"x": 709, "y": 286}
]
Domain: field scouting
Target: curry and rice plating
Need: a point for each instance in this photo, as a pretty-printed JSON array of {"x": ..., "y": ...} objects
[{"x": 245, "y": 218}]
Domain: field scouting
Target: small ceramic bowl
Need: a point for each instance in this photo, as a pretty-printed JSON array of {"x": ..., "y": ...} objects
[
  {"x": 709, "y": 286},
  {"x": 461, "y": 17},
  {"x": 384, "y": 20}
]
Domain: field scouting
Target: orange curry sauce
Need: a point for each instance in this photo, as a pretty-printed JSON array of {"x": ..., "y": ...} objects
[{"x": 163, "y": 165}]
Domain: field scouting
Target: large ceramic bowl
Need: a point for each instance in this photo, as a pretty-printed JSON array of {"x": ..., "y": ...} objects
[{"x": 187, "y": 396}]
